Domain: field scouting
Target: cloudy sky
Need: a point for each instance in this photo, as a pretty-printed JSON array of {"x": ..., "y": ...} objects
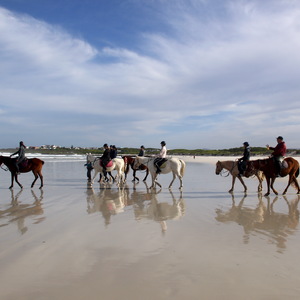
[{"x": 195, "y": 73}]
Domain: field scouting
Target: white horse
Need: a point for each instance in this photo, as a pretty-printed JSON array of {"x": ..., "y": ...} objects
[
  {"x": 118, "y": 165},
  {"x": 232, "y": 167},
  {"x": 174, "y": 165}
]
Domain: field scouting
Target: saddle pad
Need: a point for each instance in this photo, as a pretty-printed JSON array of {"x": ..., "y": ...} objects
[
  {"x": 23, "y": 164},
  {"x": 110, "y": 164}
]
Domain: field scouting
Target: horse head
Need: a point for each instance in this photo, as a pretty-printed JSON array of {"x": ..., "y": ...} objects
[{"x": 219, "y": 167}]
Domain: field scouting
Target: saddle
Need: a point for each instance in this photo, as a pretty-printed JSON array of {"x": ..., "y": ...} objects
[
  {"x": 161, "y": 162},
  {"x": 109, "y": 164},
  {"x": 24, "y": 163}
]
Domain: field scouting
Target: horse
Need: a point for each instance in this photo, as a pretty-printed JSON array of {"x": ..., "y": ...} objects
[
  {"x": 174, "y": 165},
  {"x": 232, "y": 167},
  {"x": 129, "y": 162},
  {"x": 267, "y": 166},
  {"x": 117, "y": 164},
  {"x": 32, "y": 164}
]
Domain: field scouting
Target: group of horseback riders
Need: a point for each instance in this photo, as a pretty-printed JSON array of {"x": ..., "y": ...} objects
[
  {"x": 110, "y": 152},
  {"x": 107, "y": 156},
  {"x": 278, "y": 154}
]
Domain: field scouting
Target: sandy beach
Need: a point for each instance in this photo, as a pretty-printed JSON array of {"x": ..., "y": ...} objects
[{"x": 72, "y": 241}]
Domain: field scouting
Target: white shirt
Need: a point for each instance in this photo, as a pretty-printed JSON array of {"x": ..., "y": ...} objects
[{"x": 163, "y": 152}]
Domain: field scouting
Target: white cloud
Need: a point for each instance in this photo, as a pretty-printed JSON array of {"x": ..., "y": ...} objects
[{"x": 239, "y": 70}]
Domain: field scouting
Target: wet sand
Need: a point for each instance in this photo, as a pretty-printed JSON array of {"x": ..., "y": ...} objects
[{"x": 70, "y": 241}]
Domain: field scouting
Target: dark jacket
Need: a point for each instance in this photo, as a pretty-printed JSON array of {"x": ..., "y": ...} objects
[
  {"x": 105, "y": 158},
  {"x": 246, "y": 154}
]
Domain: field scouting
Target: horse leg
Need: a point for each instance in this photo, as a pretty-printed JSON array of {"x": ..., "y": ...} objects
[
  {"x": 42, "y": 179},
  {"x": 174, "y": 176},
  {"x": 291, "y": 179},
  {"x": 272, "y": 187},
  {"x": 268, "y": 186},
  {"x": 296, "y": 184},
  {"x": 147, "y": 173},
  {"x": 16, "y": 178},
  {"x": 35, "y": 178},
  {"x": 112, "y": 177},
  {"x": 12, "y": 180},
  {"x": 134, "y": 177},
  {"x": 232, "y": 186},
  {"x": 259, "y": 189},
  {"x": 154, "y": 181},
  {"x": 180, "y": 179},
  {"x": 95, "y": 174},
  {"x": 243, "y": 183}
]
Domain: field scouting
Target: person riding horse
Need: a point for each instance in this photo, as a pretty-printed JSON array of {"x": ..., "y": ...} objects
[
  {"x": 142, "y": 151},
  {"x": 21, "y": 156},
  {"x": 242, "y": 162},
  {"x": 278, "y": 153},
  {"x": 105, "y": 158},
  {"x": 161, "y": 157}
]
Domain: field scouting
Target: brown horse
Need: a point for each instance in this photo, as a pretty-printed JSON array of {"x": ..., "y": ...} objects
[
  {"x": 269, "y": 169},
  {"x": 32, "y": 164},
  {"x": 232, "y": 167},
  {"x": 129, "y": 161}
]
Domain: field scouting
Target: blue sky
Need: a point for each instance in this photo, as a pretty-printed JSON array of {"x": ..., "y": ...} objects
[{"x": 197, "y": 74}]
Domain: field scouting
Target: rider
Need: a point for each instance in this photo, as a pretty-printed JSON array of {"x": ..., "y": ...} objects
[
  {"x": 21, "y": 156},
  {"x": 278, "y": 153},
  {"x": 242, "y": 162},
  {"x": 105, "y": 158},
  {"x": 161, "y": 157},
  {"x": 113, "y": 151},
  {"x": 142, "y": 151}
]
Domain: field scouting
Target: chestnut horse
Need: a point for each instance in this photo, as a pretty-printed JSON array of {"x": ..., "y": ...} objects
[
  {"x": 32, "y": 164},
  {"x": 269, "y": 169},
  {"x": 129, "y": 161},
  {"x": 232, "y": 167}
]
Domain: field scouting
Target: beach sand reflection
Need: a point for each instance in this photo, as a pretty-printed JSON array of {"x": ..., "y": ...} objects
[{"x": 263, "y": 220}]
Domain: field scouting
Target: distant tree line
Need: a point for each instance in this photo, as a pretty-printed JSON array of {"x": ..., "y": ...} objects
[{"x": 152, "y": 151}]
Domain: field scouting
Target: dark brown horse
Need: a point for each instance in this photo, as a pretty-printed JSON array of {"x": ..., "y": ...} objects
[
  {"x": 129, "y": 161},
  {"x": 32, "y": 164},
  {"x": 269, "y": 169}
]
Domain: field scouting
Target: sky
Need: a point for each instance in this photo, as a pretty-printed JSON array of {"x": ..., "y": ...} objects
[{"x": 198, "y": 74}]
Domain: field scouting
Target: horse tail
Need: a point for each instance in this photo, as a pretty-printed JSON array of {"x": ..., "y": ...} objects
[
  {"x": 182, "y": 169},
  {"x": 297, "y": 173}
]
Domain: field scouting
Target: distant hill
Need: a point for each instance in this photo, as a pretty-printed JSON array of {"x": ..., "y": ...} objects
[{"x": 152, "y": 151}]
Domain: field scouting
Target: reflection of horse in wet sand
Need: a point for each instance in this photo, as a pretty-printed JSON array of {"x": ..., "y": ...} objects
[
  {"x": 129, "y": 162},
  {"x": 32, "y": 164},
  {"x": 232, "y": 167},
  {"x": 174, "y": 165},
  {"x": 158, "y": 211},
  {"x": 117, "y": 164},
  {"x": 18, "y": 212},
  {"x": 263, "y": 220},
  {"x": 267, "y": 166},
  {"x": 108, "y": 201}
]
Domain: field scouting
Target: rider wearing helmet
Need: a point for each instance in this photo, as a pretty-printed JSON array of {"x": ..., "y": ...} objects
[
  {"x": 142, "y": 151},
  {"x": 242, "y": 162},
  {"x": 278, "y": 153},
  {"x": 161, "y": 157}
]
